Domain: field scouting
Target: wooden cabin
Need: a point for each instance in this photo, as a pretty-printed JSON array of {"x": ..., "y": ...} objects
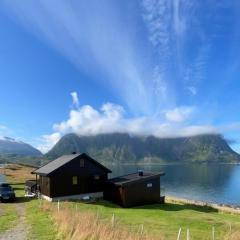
[
  {"x": 134, "y": 189},
  {"x": 70, "y": 177}
]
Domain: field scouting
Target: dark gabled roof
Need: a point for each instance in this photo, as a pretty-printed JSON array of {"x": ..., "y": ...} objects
[
  {"x": 134, "y": 177},
  {"x": 61, "y": 161}
]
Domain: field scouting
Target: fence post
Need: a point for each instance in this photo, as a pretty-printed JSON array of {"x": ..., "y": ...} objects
[
  {"x": 213, "y": 233},
  {"x": 188, "y": 234},
  {"x": 58, "y": 206},
  {"x": 113, "y": 220},
  {"x": 179, "y": 233},
  {"x": 142, "y": 228},
  {"x": 97, "y": 217}
]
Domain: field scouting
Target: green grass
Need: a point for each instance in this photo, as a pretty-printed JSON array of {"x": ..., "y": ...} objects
[
  {"x": 165, "y": 219},
  {"x": 8, "y": 215},
  {"x": 42, "y": 227},
  {"x": 158, "y": 220}
]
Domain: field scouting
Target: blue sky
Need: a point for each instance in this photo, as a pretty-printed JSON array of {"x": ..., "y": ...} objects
[{"x": 168, "y": 68}]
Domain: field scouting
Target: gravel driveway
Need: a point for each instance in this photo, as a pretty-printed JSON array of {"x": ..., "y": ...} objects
[{"x": 20, "y": 230}]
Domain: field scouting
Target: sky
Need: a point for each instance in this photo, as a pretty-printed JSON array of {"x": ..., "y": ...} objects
[{"x": 168, "y": 68}]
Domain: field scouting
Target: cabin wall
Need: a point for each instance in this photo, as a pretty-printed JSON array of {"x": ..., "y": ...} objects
[
  {"x": 141, "y": 193},
  {"x": 45, "y": 185},
  {"x": 63, "y": 185},
  {"x": 62, "y": 182},
  {"x": 113, "y": 193},
  {"x": 134, "y": 193}
]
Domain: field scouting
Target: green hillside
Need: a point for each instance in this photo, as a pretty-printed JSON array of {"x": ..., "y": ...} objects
[{"x": 125, "y": 149}]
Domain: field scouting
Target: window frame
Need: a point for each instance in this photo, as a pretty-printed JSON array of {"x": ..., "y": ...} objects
[
  {"x": 96, "y": 177},
  {"x": 82, "y": 162},
  {"x": 74, "y": 180}
]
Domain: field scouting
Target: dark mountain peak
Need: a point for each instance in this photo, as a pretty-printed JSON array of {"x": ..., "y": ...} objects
[
  {"x": 11, "y": 146},
  {"x": 125, "y": 148}
]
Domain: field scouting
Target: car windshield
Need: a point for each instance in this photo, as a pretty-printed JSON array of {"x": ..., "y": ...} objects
[{"x": 5, "y": 189}]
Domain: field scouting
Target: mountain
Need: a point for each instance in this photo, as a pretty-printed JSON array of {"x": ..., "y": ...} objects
[
  {"x": 10, "y": 146},
  {"x": 123, "y": 148}
]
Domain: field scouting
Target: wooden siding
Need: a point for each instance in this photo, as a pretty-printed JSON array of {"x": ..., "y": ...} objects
[
  {"x": 139, "y": 193},
  {"x": 134, "y": 193},
  {"x": 60, "y": 183},
  {"x": 45, "y": 185}
]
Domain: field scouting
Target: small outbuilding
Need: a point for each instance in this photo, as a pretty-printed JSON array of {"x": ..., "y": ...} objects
[
  {"x": 71, "y": 177},
  {"x": 135, "y": 189}
]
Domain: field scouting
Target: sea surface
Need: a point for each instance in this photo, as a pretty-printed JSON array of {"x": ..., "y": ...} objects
[{"x": 213, "y": 183}]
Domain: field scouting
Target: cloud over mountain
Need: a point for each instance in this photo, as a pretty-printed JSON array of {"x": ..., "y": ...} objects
[{"x": 110, "y": 118}]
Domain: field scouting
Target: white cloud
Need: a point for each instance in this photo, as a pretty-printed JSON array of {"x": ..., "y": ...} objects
[
  {"x": 110, "y": 118},
  {"x": 75, "y": 99},
  {"x": 179, "y": 114},
  {"x": 48, "y": 141}
]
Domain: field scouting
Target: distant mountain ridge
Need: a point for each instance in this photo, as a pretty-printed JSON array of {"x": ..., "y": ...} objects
[
  {"x": 125, "y": 149},
  {"x": 10, "y": 146}
]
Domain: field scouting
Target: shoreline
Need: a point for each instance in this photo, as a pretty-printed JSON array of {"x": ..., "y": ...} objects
[
  {"x": 172, "y": 163},
  {"x": 224, "y": 208}
]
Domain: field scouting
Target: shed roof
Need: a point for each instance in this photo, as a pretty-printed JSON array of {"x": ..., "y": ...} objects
[
  {"x": 134, "y": 177},
  {"x": 61, "y": 161}
]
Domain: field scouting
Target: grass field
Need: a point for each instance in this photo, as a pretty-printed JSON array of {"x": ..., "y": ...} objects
[
  {"x": 154, "y": 221},
  {"x": 165, "y": 220},
  {"x": 41, "y": 227},
  {"x": 8, "y": 215}
]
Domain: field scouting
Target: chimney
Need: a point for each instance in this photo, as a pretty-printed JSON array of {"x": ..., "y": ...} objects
[
  {"x": 140, "y": 173},
  {"x": 73, "y": 152}
]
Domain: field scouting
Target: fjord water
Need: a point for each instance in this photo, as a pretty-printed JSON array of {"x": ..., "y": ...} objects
[
  {"x": 2, "y": 178},
  {"x": 213, "y": 183}
]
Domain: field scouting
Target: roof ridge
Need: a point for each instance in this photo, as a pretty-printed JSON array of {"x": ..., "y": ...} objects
[
  {"x": 56, "y": 164},
  {"x": 52, "y": 161},
  {"x": 153, "y": 173}
]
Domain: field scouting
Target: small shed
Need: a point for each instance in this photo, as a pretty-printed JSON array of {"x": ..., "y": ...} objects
[
  {"x": 30, "y": 187},
  {"x": 134, "y": 189},
  {"x": 71, "y": 177}
]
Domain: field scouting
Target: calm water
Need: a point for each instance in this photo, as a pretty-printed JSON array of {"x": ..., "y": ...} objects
[
  {"x": 210, "y": 183},
  {"x": 2, "y": 178}
]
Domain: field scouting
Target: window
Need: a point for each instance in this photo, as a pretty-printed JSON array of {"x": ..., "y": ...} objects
[
  {"x": 74, "y": 180},
  {"x": 81, "y": 162},
  {"x": 149, "y": 185},
  {"x": 96, "y": 177}
]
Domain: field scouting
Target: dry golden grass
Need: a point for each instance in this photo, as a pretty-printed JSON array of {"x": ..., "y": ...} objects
[
  {"x": 233, "y": 236},
  {"x": 17, "y": 173},
  {"x": 79, "y": 225}
]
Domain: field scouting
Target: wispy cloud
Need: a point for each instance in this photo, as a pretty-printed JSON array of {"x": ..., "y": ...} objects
[
  {"x": 95, "y": 39},
  {"x": 75, "y": 99},
  {"x": 173, "y": 26}
]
